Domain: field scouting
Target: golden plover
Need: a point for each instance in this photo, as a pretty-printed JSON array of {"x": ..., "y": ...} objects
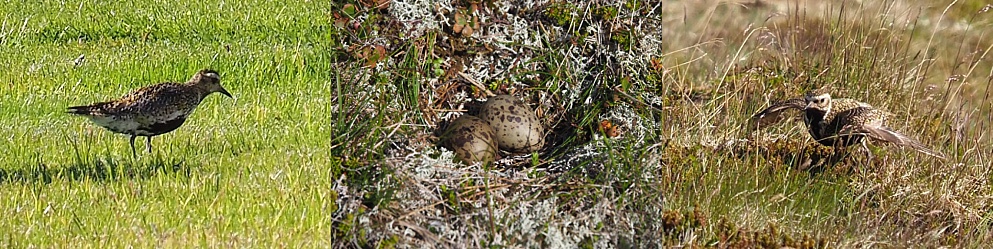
[
  {"x": 153, "y": 110},
  {"x": 774, "y": 113},
  {"x": 840, "y": 122}
]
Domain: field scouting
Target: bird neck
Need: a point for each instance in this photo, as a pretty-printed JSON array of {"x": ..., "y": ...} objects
[
  {"x": 814, "y": 117},
  {"x": 201, "y": 89}
]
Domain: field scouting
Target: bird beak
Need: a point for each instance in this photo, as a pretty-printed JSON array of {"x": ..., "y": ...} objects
[
  {"x": 809, "y": 105},
  {"x": 225, "y": 92}
]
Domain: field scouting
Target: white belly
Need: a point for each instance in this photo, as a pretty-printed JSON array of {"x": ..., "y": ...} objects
[{"x": 126, "y": 126}]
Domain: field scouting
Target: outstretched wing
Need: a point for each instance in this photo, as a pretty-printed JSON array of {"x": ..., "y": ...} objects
[
  {"x": 774, "y": 114},
  {"x": 888, "y": 135}
]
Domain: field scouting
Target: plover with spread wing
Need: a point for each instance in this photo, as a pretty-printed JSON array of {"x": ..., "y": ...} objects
[{"x": 840, "y": 122}]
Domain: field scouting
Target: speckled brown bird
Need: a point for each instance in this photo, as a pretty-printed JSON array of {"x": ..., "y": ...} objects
[
  {"x": 840, "y": 122},
  {"x": 775, "y": 113},
  {"x": 153, "y": 110},
  {"x": 819, "y": 108}
]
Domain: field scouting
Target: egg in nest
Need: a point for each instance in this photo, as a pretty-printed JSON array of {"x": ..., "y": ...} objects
[
  {"x": 517, "y": 128},
  {"x": 472, "y": 139}
]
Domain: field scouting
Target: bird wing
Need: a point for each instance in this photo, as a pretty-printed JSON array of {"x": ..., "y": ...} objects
[
  {"x": 152, "y": 99},
  {"x": 774, "y": 113},
  {"x": 146, "y": 105},
  {"x": 886, "y": 134}
]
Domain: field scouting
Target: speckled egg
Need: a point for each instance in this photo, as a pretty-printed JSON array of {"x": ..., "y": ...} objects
[
  {"x": 517, "y": 128},
  {"x": 472, "y": 139}
]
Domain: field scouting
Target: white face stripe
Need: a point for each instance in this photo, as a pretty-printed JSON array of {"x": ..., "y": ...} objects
[
  {"x": 823, "y": 100},
  {"x": 212, "y": 75}
]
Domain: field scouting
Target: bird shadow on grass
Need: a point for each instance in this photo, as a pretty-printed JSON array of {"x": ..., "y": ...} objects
[
  {"x": 87, "y": 165},
  {"x": 98, "y": 170}
]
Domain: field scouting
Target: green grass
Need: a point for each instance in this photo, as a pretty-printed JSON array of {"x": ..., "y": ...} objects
[{"x": 250, "y": 171}]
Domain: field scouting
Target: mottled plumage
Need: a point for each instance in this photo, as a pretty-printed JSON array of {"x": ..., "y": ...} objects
[
  {"x": 820, "y": 109},
  {"x": 868, "y": 122},
  {"x": 840, "y": 122},
  {"x": 774, "y": 113},
  {"x": 153, "y": 110}
]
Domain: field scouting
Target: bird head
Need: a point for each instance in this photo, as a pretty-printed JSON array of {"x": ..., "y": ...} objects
[
  {"x": 818, "y": 100},
  {"x": 209, "y": 80}
]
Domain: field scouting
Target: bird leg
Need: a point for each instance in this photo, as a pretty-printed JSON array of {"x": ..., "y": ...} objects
[
  {"x": 133, "y": 152},
  {"x": 148, "y": 144}
]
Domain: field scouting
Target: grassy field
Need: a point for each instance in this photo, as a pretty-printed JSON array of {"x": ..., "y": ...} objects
[
  {"x": 678, "y": 81},
  {"x": 252, "y": 171}
]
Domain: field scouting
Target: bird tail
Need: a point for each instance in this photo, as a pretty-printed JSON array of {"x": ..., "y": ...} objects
[
  {"x": 94, "y": 109},
  {"x": 902, "y": 140}
]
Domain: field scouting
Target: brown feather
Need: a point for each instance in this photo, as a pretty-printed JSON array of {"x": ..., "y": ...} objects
[
  {"x": 882, "y": 133},
  {"x": 774, "y": 113}
]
